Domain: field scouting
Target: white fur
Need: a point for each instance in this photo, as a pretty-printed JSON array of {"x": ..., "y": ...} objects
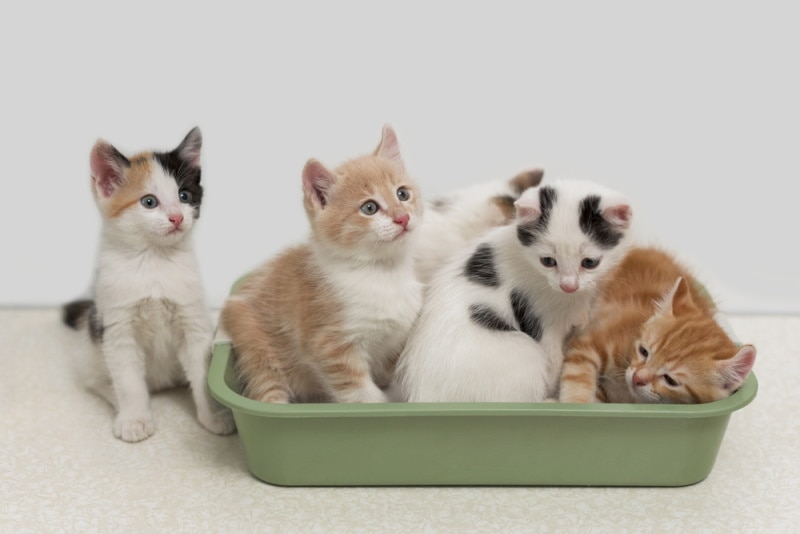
[
  {"x": 149, "y": 296},
  {"x": 449, "y": 358},
  {"x": 380, "y": 299},
  {"x": 468, "y": 214}
]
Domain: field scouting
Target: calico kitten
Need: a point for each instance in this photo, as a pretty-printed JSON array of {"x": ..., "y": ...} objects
[
  {"x": 494, "y": 321},
  {"x": 148, "y": 321},
  {"x": 326, "y": 320},
  {"x": 653, "y": 339},
  {"x": 452, "y": 222}
]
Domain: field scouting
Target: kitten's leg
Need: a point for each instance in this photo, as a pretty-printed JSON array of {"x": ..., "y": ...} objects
[
  {"x": 195, "y": 355},
  {"x": 579, "y": 374},
  {"x": 257, "y": 366},
  {"x": 126, "y": 366},
  {"x": 92, "y": 372},
  {"x": 383, "y": 371},
  {"x": 348, "y": 374}
]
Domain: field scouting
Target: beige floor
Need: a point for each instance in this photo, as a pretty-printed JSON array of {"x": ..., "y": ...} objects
[{"x": 61, "y": 470}]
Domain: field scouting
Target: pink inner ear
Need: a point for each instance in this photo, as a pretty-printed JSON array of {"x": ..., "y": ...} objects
[
  {"x": 619, "y": 215},
  {"x": 189, "y": 149},
  {"x": 317, "y": 181},
  {"x": 527, "y": 206},
  {"x": 106, "y": 171},
  {"x": 389, "y": 148},
  {"x": 527, "y": 214},
  {"x": 740, "y": 366}
]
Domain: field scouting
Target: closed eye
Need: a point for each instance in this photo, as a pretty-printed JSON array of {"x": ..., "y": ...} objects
[
  {"x": 643, "y": 351},
  {"x": 671, "y": 381}
]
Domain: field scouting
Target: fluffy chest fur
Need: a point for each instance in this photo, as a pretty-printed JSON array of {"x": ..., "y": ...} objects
[
  {"x": 379, "y": 303},
  {"x": 125, "y": 277}
]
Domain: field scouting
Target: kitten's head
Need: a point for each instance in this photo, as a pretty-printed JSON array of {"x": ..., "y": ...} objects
[
  {"x": 684, "y": 356},
  {"x": 368, "y": 206},
  {"x": 573, "y": 232},
  {"x": 151, "y": 197}
]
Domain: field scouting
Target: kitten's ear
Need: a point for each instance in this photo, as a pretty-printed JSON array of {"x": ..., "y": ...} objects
[
  {"x": 389, "y": 148},
  {"x": 527, "y": 207},
  {"x": 189, "y": 149},
  {"x": 735, "y": 370},
  {"x": 617, "y": 212},
  {"x": 317, "y": 182},
  {"x": 108, "y": 168},
  {"x": 678, "y": 299}
]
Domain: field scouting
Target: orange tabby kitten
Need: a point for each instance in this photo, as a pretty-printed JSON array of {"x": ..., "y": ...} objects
[
  {"x": 326, "y": 321},
  {"x": 653, "y": 339}
]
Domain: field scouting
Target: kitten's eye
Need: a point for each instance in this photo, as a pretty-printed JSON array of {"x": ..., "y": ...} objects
[
  {"x": 671, "y": 381},
  {"x": 403, "y": 194},
  {"x": 643, "y": 351},
  {"x": 590, "y": 263},
  {"x": 547, "y": 261},
  {"x": 369, "y": 207},
  {"x": 185, "y": 196},
  {"x": 149, "y": 201}
]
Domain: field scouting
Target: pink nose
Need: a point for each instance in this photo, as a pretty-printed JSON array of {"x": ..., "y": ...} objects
[
  {"x": 402, "y": 220},
  {"x": 569, "y": 288},
  {"x": 638, "y": 379},
  {"x": 176, "y": 220}
]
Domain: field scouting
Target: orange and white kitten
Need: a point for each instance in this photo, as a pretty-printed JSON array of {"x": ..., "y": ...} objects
[
  {"x": 326, "y": 320},
  {"x": 653, "y": 339}
]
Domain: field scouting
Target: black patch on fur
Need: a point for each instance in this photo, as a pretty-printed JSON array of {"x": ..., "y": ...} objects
[
  {"x": 595, "y": 226},
  {"x": 528, "y": 234},
  {"x": 528, "y": 321},
  {"x": 80, "y": 312},
  {"x": 480, "y": 267},
  {"x": 185, "y": 174},
  {"x": 485, "y": 316}
]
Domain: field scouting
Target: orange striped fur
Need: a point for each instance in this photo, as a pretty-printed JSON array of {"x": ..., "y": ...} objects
[
  {"x": 653, "y": 338},
  {"x": 325, "y": 321}
]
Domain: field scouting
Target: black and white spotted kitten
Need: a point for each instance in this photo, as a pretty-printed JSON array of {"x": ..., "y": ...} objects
[{"x": 495, "y": 319}]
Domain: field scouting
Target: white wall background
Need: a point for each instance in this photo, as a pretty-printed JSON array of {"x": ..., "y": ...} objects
[{"x": 691, "y": 108}]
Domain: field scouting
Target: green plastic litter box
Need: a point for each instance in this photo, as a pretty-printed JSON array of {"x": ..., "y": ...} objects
[{"x": 475, "y": 444}]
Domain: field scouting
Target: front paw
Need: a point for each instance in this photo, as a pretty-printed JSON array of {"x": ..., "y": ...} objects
[
  {"x": 220, "y": 423},
  {"x": 367, "y": 395},
  {"x": 133, "y": 429}
]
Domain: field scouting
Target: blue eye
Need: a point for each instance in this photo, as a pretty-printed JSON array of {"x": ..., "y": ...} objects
[
  {"x": 590, "y": 263},
  {"x": 403, "y": 194},
  {"x": 369, "y": 207},
  {"x": 149, "y": 201},
  {"x": 185, "y": 196},
  {"x": 547, "y": 261}
]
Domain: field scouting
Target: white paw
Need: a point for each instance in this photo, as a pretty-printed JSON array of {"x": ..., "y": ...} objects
[
  {"x": 134, "y": 429},
  {"x": 220, "y": 422},
  {"x": 369, "y": 394}
]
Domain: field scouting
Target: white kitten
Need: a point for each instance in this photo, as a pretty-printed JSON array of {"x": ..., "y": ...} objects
[
  {"x": 495, "y": 319},
  {"x": 451, "y": 223},
  {"x": 148, "y": 321}
]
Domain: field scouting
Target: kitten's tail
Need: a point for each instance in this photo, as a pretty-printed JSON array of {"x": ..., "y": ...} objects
[{"x": 76, "y": 314}]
